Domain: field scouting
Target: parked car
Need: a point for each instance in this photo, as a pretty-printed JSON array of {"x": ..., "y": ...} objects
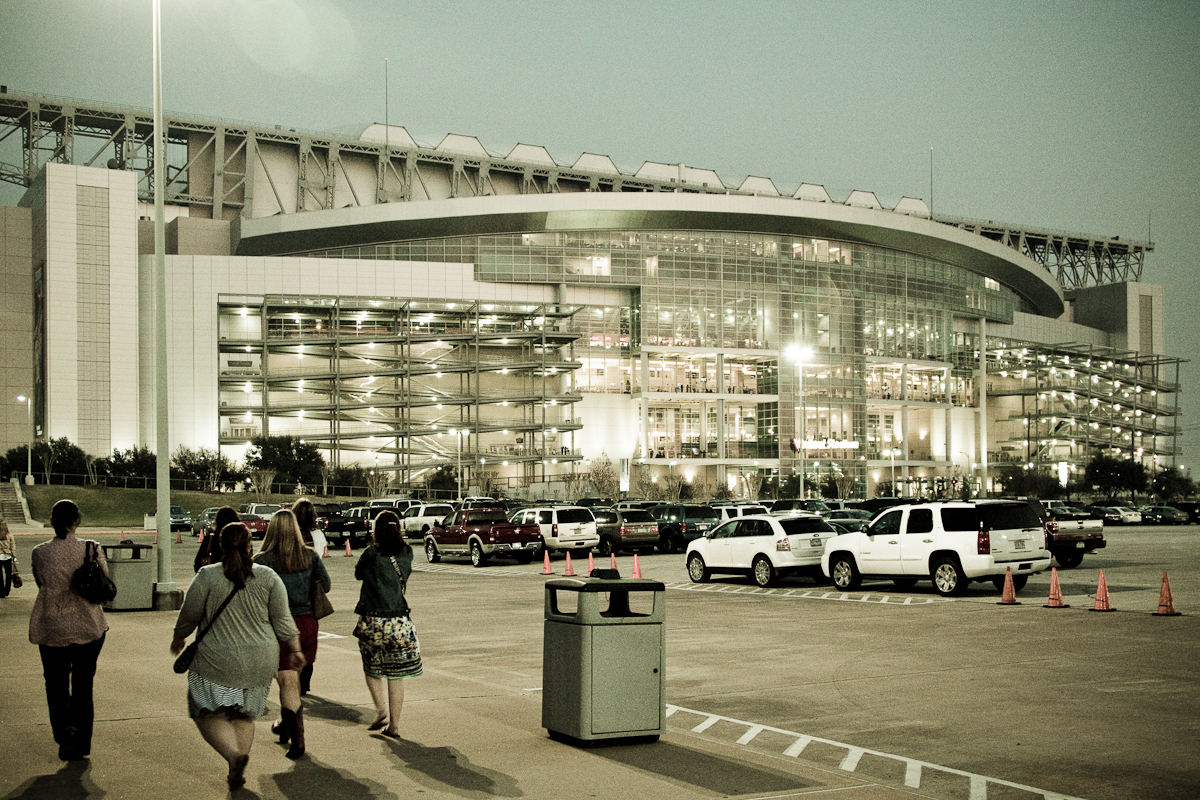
[
  {"x": 418, "y": 519},
  {"x": 354, "y": 525},
  {"x": 679, "y": 524},
  {"x": 1130, "y": 516},
  {"x": 181, "y": 520},
  {"x": 205, "y": 521},
  {"x": 631, "y": 529},
  {"x": 1190, "y": 506},
  {"x": 593, "y": 502},
  {"x": 264, "y": 510},
  {"x": 761, "y": 546},
  {"x": 1164, "y": 515},
  {"x": 256, "y": 523},
  {"x": 797, "y": 504},
  {"x": 847, "y": 524},
  {"x": 735, "y": 510},
  {"x": 562, "y": 527},
  {"x": 481, "y": 533},
  {"x": 642, "y": 504},
  {"x": 951, "y": 543},
  {"x": 1072, "y": 532}
]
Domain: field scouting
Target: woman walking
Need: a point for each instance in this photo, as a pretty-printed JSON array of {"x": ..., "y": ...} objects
[
  {"x": 10, "y": 575},
  {"x": 284, "y": 551},
  {"x": 314, "y": 537},
  {"x": 68, "y": 630},
  {"x": 386, "y": 637},
  {"x": 230, "y": 677},
  {"x": 209, "y": 551}
]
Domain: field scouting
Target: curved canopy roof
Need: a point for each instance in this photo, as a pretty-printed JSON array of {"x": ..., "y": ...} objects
[{"x": 356, "y": 226}]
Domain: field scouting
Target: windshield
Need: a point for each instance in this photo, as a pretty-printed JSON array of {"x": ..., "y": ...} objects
[
  {"x": 638, "y": 515},
  {"x": 491, "y": 515},
  {"x": 575, "y": 515},
  {"x": 700, "y": 512}
]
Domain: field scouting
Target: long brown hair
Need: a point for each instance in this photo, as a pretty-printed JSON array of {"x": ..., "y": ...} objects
[
  {"x": 389, "y": 541},
  {"x": 283, "y": 539},
  {"x": 306, "y": 518},
  {"x": 237, "y": 563}
]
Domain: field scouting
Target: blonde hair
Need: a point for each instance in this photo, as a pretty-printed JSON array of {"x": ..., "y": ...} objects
[
  {"x": 284, "y": 540},
  {"x": 4, "y": 534}
]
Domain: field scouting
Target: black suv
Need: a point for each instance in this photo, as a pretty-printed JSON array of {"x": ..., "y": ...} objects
[{"x": 679, "y": 524}]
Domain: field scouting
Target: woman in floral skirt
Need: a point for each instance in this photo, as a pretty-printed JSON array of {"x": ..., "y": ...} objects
[{"x": 386, "y": 637}]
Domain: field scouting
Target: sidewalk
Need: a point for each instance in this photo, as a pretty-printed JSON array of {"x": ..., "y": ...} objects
[{"x": 472, "y": 728}]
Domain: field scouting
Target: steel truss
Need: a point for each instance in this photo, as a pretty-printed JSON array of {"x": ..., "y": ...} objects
[{"x": 212, "y": 163}]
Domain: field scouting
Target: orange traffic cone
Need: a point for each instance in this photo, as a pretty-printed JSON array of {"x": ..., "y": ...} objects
[
  {"x": 325, "y": 552},
  {"x": 178, "y": 537},
  {"x": 201, "y": 540},
  {"x": 546, "y": 563},
  {"x": 1102, "y": 603},
  {"x": 122, "y": 537},
  {"x": 1166, "y": 606},
  {"x": 568, "y": 570},
  {"x": 1009, "y": 596},
  {"x": 637, "y": 571},
  {"x": 612, "y": 561},
  {"x": 348, "y": 553},
  {"x": 591, "y": 563},
  {"x": 1055, "y": 600}
]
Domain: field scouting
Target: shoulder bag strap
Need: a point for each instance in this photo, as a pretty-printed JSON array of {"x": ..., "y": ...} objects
[
  {"x": 212, "y": 621},
  {"x": 403, "y": 582}
]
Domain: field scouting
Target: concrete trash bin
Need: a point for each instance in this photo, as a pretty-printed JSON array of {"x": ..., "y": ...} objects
[
  {"x": 132, "y": 569},
  {"x": 603, "y": 659}
]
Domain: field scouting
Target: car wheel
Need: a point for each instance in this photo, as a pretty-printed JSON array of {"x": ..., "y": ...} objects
[
  {"x": 431, "y": 553},
  {"x": 524, "y": 558},
  {"x": 696, "y": 568},
  {"x": 844, "y": 574},
  {"x": 664, "y": 543},
  {"x": 478, "y": 557},
  {"x": 605, "y": 548},
  {"x": 904, "y": 583},
  {"x": 1069, "y": 559},
  {"x": 948, "y": 577},
  {"x": 764, "y": 572}
]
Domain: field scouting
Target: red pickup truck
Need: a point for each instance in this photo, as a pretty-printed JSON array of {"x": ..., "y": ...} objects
[{"x": 482, "y": 533}]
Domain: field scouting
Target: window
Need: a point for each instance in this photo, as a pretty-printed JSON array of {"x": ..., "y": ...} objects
[{"x": 920, "y": 520}]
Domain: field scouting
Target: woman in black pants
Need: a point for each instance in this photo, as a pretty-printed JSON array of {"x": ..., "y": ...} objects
[{"x": 69, "y": 632}]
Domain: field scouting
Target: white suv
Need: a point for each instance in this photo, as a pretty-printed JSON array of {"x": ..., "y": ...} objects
[
  {"x": 951, "y": 544},
  {"x": 762, "y": 546},
  {"x": 563, "y": 527},
  {"x": 420, "y": 518}
]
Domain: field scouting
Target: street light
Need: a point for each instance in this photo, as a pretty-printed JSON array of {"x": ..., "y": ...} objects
[
  {"x": 801, "y": 354},
  {"x": 28, "y": 401}
]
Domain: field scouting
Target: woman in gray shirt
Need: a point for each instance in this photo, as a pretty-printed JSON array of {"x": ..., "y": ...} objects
[{"x": 237, "y": 659}]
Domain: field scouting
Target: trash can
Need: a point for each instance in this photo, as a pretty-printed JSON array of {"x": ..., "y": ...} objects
[
  {"x": 603, "y": 659},
  {"x": 132, "y": 569}
]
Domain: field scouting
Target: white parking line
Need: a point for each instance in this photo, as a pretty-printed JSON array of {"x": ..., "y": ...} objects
[
  {"x": 914, "y": 771},
  {"x": 811, "y": 594}
]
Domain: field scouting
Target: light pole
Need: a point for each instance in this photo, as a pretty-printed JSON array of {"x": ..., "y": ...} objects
[
  {"x": 458, "y": 465},
  {"x": 892, "y": 453},
  {"x": 28, "y": 401},
  {"x": 800, "y": 354}
]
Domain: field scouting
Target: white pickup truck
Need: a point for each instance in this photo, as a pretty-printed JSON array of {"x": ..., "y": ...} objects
[
  {"x": 418, "y": 519},
  {"x": 950, "y": 543},
  {"x": 1071, "y": 533}
]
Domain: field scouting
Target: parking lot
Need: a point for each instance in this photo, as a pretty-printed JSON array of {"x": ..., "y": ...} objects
[{"x": 905, "y": 691}]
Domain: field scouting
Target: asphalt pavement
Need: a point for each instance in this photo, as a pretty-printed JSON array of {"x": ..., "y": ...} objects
[{"x": 786, "y": 692}]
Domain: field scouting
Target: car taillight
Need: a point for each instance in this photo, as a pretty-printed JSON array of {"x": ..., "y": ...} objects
[
  {"x": 625, "y": 531},
  {"x": 554, "y": 530},
  {"x": 683, "y": 527},
  {"x": 783, "y": 545},
  {"x": 984, "y": 543}
]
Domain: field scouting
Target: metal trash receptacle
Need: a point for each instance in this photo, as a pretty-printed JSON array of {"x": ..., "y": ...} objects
[
  {"x": 132, "y": 569},
  {"x": 603, "y": 661}
]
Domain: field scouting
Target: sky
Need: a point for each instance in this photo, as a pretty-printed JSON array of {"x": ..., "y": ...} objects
[{"x": 1060, "y": 114}]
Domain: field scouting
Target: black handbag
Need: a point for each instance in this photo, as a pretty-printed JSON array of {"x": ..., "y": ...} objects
[
  {"x": 184, "y": 659},
  {"x": 90, "y": 582}
]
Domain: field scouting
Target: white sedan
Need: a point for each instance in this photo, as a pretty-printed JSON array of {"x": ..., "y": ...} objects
[
  {"x": 762, "y": 546},
  {"x": 1129, "y": 516}
]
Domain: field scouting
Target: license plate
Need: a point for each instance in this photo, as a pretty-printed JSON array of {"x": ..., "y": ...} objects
[
  {"x": 516, "y": 545},
  {"x": 817, "y": 543},
  {"x": 1019, "y": 544}
]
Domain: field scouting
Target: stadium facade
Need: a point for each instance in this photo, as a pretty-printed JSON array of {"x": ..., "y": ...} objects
[{"x": 410, "y": 307}]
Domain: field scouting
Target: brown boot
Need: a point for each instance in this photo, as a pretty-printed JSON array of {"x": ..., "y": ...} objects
[{"x": 296, "y": 728}]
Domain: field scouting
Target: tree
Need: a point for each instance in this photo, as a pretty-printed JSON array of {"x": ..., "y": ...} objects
[
  {"x": 639, "y": 482},
  {"x": 488, "y": 481},
  {"x": 378, "y": 481},
  {"x": 754, "y": 484},
  {"x": 63, "y": 453},
  {"x": 673, "y": 483},
  {"x": 1033, "y": 482},
  {"x": 441, "y": 484},
  {"x": 572, "y": 484},
  {"x": 292, "y": 459},
  {"x": 605, "y": 479},
  {"x": 1110, "y": 476},
  {"x": 202, "y": 465},
  {"x": 136, "y": 462},
  {"x": 1172, "y": 484},
  {"x": 260, "y": 483}
]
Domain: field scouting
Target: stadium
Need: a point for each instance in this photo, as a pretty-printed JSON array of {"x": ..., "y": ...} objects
[{"x": 409, "y": 307}]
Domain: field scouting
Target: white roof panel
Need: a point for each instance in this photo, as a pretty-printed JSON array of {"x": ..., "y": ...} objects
[
  {"x": 531, "y": 152},
  {"x": 913, "y": 206},
  {"x": 457, "y": 143},
  {"x": 394, "y": 135},
  {"x": 759, "y": 186},
  {"x": 595, "y": 163},
  {"x": 863, "y": 199},
  {"x": 814, "y": 192}
]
